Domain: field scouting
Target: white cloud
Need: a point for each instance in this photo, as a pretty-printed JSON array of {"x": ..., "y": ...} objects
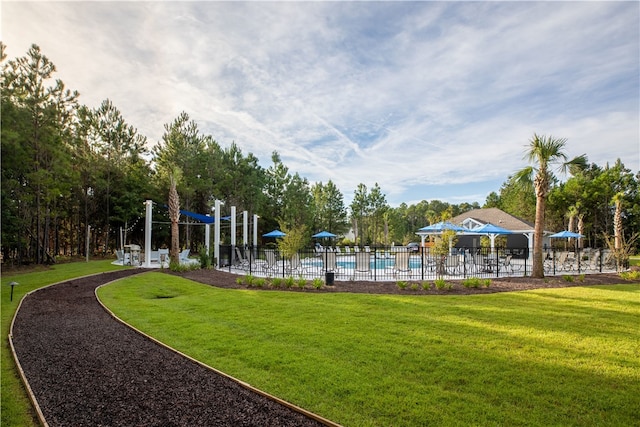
[{"x": 409, "y": 95}]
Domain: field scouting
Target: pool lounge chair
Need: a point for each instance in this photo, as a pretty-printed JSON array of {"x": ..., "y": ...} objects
[
  {"x": 363, "y": 264},
  {"x": 329, "y": 262},
  {"x": 271, "y": 266},
  {"x": 401, "y": 264},
  {"x": 241, "y": 261},
  {"x": 594, "y": 262},
  {"x": 295, "y": 266}
]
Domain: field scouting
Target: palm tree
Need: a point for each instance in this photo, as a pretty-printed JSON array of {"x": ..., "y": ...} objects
[
  {"x": 571, "y": 214},
  {"x": 544, "y": 152},
  {"x": 581, "y": 229},
  {"x": 174, "y": 215},
  {"x": 619, "y": 245},
  {"x": 617, "y": 220}
]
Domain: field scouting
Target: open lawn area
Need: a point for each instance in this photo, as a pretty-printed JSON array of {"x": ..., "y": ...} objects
[
  {"x": 544, "y": 357},
  {"x": 16, "y": 408}
]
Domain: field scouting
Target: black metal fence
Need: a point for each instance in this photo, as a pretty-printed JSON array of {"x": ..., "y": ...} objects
[{"x": 401, "y": 263}]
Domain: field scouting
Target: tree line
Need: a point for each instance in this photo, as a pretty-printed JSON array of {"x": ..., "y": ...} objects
[{"x": 70, "y": 171}]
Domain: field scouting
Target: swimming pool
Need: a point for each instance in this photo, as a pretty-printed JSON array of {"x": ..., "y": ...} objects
[{"x": 349, "y": 263}]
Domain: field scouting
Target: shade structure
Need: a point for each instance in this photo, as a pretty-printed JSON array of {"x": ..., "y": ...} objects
[
  {"x": 491, "y": 231},
  {"x": 440, "y": 227},
  {"x": 323, "y": 234},
  {"x": 274, "y": 233},
  {"x": 566, "y": 234},
  {"x": 489, "y": 228}
]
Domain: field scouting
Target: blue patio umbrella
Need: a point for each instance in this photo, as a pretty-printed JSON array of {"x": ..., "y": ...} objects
[
  {"x": 323, "y": 234},
  {"x": 492, "y": 231},
  {"x": 274, "y": 233},
  {"x": 440, "y": 227},
  {"x": 566, "y": 234},
  {"x": 489, "y": 228}
]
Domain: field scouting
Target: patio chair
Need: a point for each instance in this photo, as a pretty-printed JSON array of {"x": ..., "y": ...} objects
[
  {"x": 363, "y": 264},
  {"x": 272, "y": 263},
  {"x": 507, "y": 266},
  {"x": 517, "y": 264},
  {"x": 329, "y": 262},
  {"x": 252, "y": 258},
  {"x": 295, "y": 266},
  {"x": 472, "y": 263},
  {"x": 429, "y": 264},
  {"x": 609, "y": 259},
  {"x": 401, "y": 263},
  {"x": 594, "y": 262},
  {"x": 184, "y": 256},
  {"x": 561, "y": 261},
  {"x": 241, "y": 261},
  {"x": 452, "y": 264},
  {"x": 163, "y": 255}
]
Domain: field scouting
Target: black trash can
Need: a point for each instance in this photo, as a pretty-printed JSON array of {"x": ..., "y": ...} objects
[{"x": 328, "y": 278}]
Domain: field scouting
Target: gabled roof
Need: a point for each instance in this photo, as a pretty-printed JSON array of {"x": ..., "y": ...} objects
[{"x": 494, "y": 216}]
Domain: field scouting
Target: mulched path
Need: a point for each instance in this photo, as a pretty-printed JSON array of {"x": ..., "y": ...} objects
[
  {"x": 87, "y": 369},
  {"x": 228, "y": 280}
]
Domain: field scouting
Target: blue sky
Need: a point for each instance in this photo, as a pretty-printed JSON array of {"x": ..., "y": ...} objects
[{"x": 431, "y": 100}]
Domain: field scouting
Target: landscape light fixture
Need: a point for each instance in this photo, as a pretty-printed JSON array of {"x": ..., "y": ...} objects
[{"x": 12, "y": 284}]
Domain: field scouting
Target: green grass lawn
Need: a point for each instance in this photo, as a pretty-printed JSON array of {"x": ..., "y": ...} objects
[
  {"x": 545, "y": 357},
  {"x": 16, "y": 408}
]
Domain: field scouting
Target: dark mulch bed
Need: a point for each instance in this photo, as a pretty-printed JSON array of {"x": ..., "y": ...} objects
[
  {"x": 87, "y": 369},
  {"x": 224, "y": 279}
]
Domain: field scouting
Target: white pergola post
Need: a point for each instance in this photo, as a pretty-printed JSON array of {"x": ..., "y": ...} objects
[
  {"x": 492, "y": 238},
  {"x": 245, "y": 228},
  {"x": 233, "y": 234},
  {"x": 255, "y": 230},
  {"x": 147, "y": 232},
  {"x": 233, "y": 226},
  {"x": 216, "y": 234},
  {"x": 207, "y": 237}
]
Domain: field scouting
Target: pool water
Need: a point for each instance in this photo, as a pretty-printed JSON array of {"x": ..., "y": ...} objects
[{"x": 378, "y": 264}]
